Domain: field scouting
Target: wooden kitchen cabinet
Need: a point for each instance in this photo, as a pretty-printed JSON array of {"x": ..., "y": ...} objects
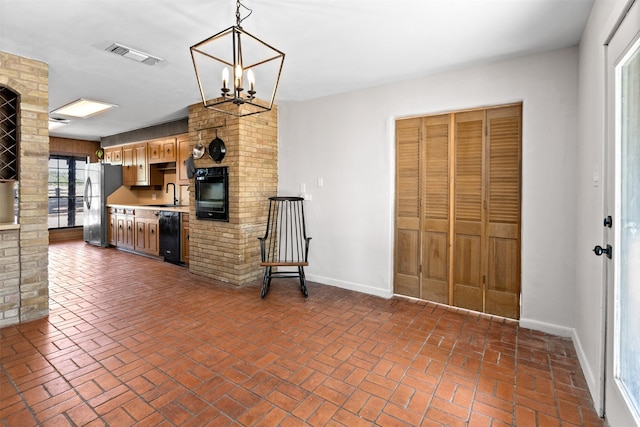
[
  {"x": 162, "y": 150},
  {"x": 146, "y": 232},
  {"x": 135, "y": 166},
  {"x": 184, "y": 151},
  {"x": 128, "y": 166},
  {"x": 185, "y": 238},
  {"x": 125, "y": 226},
  {"x": 113, "y": 155},
  {"x": 113, "y": 227}
]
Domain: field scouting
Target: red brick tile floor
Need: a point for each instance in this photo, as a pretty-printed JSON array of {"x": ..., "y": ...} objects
[{"x": 131, "y": 340}]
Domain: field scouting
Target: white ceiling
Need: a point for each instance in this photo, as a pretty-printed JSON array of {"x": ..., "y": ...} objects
[{"x": 331, "y": 46}]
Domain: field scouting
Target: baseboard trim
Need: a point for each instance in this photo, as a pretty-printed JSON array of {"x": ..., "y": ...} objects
[
  {"x": 594, "y": 384},
  {"x": 350, "y": 286},
  {"x": 549, "y": 328}
]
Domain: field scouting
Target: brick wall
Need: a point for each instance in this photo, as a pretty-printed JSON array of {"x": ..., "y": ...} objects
[
  {"x": 24, "y": 284},
  {"x": 230, "y": 252}
]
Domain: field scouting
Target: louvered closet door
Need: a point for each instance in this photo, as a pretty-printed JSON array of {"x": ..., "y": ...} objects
[
  {"x": 503, "y": 211},
  {"x": 468, "y": 216},
  {"x": 407, "y": 232},
  {"x": 435, "y": 221},
  {"x": 458, "y": 197}
]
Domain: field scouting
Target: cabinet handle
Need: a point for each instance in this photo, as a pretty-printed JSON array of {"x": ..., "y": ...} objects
[{"x": 153, "y": 231}]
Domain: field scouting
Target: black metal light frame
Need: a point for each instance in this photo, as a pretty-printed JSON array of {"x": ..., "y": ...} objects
[{"x": 234, "y": 94}]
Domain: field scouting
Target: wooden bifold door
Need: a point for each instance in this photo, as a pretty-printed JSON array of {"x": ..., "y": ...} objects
[{"x": 458, "y": 196}]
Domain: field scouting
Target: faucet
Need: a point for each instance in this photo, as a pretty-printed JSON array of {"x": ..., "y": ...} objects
[{"x": 175, "y": 199}]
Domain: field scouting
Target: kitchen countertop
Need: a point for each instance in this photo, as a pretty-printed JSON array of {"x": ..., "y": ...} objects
[{"x": 170, "y": 208}]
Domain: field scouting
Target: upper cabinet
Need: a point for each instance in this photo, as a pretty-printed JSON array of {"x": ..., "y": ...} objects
[
  {"x": 162, "y": 150},
  {"x": 184, "y": 151},
  {"x": 135, "y": 166},
  {"x": 143, "y": 163},
  {"x": 113, "y": 155}
]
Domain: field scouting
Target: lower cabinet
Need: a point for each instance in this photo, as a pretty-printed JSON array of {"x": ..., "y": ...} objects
[
  {"x": 113, "y": 227},
  {"x": 185, "y": 238},
  {"x": 138, "y": 230},
  {"x": 121, "y": 223},
  {"x": 146, "y": 232}
]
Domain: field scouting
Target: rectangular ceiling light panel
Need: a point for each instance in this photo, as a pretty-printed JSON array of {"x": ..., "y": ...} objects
[
  {"x": 134, "y": 54},
  {"x": 56, "y": 123},
  {"x": 83, "y": 108}
]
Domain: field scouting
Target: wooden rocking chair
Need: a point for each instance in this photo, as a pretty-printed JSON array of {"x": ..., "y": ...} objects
[{"x": 285, "y": 243}]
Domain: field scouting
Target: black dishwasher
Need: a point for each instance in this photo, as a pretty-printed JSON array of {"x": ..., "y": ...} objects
[{"x": 170, "y": 236}]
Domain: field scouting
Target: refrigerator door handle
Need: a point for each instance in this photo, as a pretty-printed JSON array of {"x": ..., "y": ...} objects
[{"x": 88, "y": 192}]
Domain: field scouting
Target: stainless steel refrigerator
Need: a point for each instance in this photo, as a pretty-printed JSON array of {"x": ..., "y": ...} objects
[{"x": 101, "y": 181}]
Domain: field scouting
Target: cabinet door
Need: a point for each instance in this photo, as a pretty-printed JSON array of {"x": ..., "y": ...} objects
[
  {"x": 152, "y": 238},
  {"x": 121, "y": 232},
  {"x": 129, "y": 232},
  {"x": 113, "y": 230},
  {"x": 168, "y": 150},
  {"x": 128, "y": 165},
  {"x": 184, "y": 151},
  {"x": 116, "y": 156},
  {"x": 185, "y": 238},
  {"x": 141, "y": 164},
  {"x": 140, "y": 235},
  {"x": 108, "y": 156},
  {"x": 155, "y": 151}
]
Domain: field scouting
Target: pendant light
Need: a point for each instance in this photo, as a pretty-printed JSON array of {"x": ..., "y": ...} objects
[{"x": 237, "y": 72}]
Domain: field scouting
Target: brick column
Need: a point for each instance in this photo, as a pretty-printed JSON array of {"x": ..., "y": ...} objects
[
  {"x": 230, "y": 252},
  {"x": 24, "y": 284}
]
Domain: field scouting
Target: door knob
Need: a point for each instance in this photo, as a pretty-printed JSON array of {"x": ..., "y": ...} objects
[
  {"x": 608, "y": 221},
  {"x": 599, "y": 250}
]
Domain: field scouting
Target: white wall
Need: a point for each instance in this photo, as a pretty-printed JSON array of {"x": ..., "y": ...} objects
[
  {"x": 348, "y": 140},
  {"x": 589, "y": 296}
]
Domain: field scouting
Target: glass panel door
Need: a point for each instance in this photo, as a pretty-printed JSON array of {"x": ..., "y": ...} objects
[
  {"x": 627, "y": 263},
  {"x": 622, "y": 195}
]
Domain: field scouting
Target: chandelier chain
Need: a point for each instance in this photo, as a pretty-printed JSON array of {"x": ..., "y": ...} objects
[{"x": 238, "y": 19}]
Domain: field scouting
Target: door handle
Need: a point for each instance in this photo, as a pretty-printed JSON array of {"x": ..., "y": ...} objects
[
  {"x": 599, "y": 250},
  {"x": 88, "y": 193}
]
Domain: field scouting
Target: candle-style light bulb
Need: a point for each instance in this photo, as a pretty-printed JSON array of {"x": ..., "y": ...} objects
[
  {"x": 238, "y": 76},
  {"x": 251, "y": 78},
  {"x": 225, "y": 77}
]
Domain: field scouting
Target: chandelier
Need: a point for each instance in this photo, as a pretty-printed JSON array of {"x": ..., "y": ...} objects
[{"x": 237, "y": 72}]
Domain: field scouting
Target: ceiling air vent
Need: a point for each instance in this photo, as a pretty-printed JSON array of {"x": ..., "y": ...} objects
[{"x": 130, "y": 53}]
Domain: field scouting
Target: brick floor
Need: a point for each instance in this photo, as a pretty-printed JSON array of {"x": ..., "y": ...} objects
[{"x": 131, "y": 340}]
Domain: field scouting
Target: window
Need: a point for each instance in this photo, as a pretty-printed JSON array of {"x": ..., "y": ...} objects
[{"x": 66, "y": 190}]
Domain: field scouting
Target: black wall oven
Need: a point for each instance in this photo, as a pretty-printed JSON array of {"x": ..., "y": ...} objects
[{"x": 212, "y": 193}]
